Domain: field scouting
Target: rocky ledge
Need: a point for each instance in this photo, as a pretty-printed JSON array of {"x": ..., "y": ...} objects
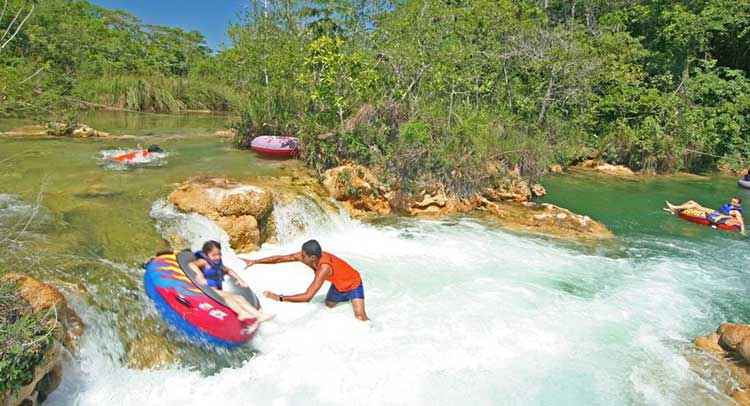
[
  {"x": 604, "y": 168},
  {"x": 58, "y": 129},
  {"x": 509, "y": 203},
  {"x": 730, "y": 343},
  {"x": 62, "y": 327}
]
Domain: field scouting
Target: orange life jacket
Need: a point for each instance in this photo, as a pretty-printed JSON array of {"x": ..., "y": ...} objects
[
  {"x": 130, "y": 156},
  {"x": 344, "y": 277}
]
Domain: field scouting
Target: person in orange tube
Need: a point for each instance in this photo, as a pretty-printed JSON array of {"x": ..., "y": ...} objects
[
  {"x": 138, "y": 153},
  {"x": 346, "y": 282}
]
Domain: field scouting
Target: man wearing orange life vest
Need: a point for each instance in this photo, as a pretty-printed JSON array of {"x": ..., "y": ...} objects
[{"x": 346, "y": 283}]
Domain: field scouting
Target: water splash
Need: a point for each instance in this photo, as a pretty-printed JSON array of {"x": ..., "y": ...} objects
[
  {"x": 462, "y": 313},
  {"x": 154, "y": 159}
]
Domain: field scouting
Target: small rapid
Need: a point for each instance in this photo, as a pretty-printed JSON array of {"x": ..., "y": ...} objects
[{"x": 463, "y": 313}]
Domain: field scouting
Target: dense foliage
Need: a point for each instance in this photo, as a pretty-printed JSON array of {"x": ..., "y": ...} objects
[
  {"x": 24, "y": 339},
  {"x": 70, "y": 53},
  {"x": 438, "y": 90},
  {"x": 449, "y": 91}
]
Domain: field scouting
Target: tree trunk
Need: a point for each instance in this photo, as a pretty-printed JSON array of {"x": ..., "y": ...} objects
[{"x": 546, "y": 99}]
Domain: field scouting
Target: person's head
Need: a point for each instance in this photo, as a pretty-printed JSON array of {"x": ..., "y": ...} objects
[
  {"x": 154, "y": 148},
  {"x": 212, "y": 249},
  {"x": 311, "y": 253},
  {"x": 736, "y": 201}
]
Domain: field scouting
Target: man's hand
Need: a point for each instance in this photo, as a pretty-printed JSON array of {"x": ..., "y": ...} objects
[
  {"x": 271, "y": 295},
  {"x": 248, "y": 262}
]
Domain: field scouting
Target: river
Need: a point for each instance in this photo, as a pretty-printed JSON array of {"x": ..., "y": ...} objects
[{"x": 463, "y": 312}]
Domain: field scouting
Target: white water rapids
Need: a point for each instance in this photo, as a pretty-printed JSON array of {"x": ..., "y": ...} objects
[{"x": 461, "y": 314}]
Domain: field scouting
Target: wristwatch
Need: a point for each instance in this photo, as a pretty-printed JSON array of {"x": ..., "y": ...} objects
[{"x": 281, "y": 298}]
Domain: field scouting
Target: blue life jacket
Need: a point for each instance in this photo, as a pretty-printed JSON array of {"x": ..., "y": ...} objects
[
  {"x": 727, "y": 208},
  {"x": 215, "y": 274},
  {"x": 747, "y": 177}
]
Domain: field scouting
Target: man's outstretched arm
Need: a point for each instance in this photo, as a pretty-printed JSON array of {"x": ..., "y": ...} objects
[
  {"x": 276, "y": 259},
  {"x": 320, "y": 277}
]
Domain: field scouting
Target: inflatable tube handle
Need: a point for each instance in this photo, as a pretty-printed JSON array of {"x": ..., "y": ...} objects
[{"x": 183, "y": 300}]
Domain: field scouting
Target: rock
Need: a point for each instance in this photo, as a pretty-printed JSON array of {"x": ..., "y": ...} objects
[
  {"x": 710, "y": 343},
  {"x": 28, "y": 130},
  {"x": 59, "y": 129},
  {"x": 43, "y": 297},
  {"x": 241, "y": 209},
  {"x": 730, "y": 344},
  {"x": 226, "y": 133},
  {"x": 549, "y": 220},
  {"x": 74, "y": 130},
  {"x": 607, "y": 169},
  {"x": 731, "y": 335},
  {"x": 151, "y": 351},
  {"x": 555, "y": 168},
  {"x": 432, "y": 201},
  {"x": 357, "y": 189},
  {"x": 84, "y": 131},
  {"x": 67, "y": 329},
  {"x": 510, "y": 190},
  {"x": 538, "y": 190}
]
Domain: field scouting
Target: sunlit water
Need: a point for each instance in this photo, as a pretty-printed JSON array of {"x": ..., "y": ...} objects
[{"x": 462, "y": 312}]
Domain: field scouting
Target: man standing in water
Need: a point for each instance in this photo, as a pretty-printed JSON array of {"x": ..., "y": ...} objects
[{"x": 346, "y": 283}]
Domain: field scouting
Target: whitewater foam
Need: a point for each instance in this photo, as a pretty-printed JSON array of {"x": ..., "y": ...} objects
[{"x": 462, "y": 314}]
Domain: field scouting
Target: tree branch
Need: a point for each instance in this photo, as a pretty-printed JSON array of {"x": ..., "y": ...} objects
[{"x": 19, "y": 26}]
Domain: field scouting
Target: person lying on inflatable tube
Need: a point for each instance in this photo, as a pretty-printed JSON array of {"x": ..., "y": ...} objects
[
  {"x": 209, "y": 271},
  {"x": 729, "y": 214},
  {"x": 346, "y": 283}
]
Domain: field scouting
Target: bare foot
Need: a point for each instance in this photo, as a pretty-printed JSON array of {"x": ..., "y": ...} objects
[{"x": 670, "y": 207}]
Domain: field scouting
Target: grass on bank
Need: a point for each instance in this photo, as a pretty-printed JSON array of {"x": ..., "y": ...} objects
[
  {"x": 24, "y": 339},
  {"x": 156, "y": 94}
]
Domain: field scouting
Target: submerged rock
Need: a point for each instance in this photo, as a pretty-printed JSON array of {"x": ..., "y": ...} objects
[
  {"x": 730, "y": 343},
  {"x": 65, "y": 331},
  {"x": 242, "y": 210},
  {"x": 151, "y": 351}
]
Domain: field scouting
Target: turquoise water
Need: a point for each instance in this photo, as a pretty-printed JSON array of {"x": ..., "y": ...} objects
[{"x": 463, "y": 312}]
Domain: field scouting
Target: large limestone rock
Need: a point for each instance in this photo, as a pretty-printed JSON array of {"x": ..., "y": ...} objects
[
  {"x": 66, "y": 332},
  {"x": 357, "y": 189},
  {"x": 242, "y": 210},
  {"x": 730, "y": 343}
]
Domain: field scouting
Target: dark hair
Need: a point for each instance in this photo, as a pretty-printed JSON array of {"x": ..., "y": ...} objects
[
  {"x": 154, "y": 148},
  {"x": 208, "y": 246},
  {"x": 312, "y": 249},
  {"x": 738, "y": 199}
]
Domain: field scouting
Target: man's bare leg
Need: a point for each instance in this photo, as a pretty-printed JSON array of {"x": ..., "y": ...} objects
[
  {"x": 687, "y": 205},
  {"x": 331, "y": 305},
  {"x": 359, "y": 309}
]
